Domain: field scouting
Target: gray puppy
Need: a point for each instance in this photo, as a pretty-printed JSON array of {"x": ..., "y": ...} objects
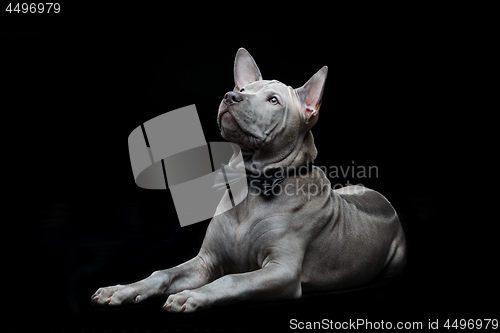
[{"x": 285, "y": 243}]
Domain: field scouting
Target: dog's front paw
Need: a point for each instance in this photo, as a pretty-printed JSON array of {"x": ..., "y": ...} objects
[
  {"x": 117, "y": 295},
  {"x": 187, "y": 301}
]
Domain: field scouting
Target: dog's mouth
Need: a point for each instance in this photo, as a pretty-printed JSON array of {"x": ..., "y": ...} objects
[
  {"x": 228, "y": 116},
  {"x": 225, "y": 112},
  {"x": 232, "y": 126}
]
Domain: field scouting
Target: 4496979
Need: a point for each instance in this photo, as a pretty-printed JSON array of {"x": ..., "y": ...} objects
[
  {"x": 471, "y": 324},
  {"x": 34, "y": 7}
]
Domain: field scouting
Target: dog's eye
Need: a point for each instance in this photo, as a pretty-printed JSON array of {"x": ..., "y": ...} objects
[
  {"x": 242, "y": 89},
  {"x": 273, "y": 100}
]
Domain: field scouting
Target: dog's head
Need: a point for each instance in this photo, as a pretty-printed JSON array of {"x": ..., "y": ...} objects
[{"x": 266, "y": 117}]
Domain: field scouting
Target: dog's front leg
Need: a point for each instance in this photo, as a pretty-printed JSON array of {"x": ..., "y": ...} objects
[
  {"x": 279, "y": 278},
  {"x": 271, "y": 282},
  {"x": 189, "y": 275}
]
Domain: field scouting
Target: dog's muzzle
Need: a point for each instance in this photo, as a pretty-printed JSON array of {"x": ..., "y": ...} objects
[{"x": 232, "y": 97}]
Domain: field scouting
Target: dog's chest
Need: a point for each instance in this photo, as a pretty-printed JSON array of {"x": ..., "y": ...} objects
[{"x": 240, "y": 242}]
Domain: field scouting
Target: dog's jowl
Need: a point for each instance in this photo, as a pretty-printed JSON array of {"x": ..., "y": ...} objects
[{"x": 281, "y": 240}]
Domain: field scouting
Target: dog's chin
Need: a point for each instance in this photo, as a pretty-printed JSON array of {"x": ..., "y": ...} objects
[
  {"x": 228, "y": 123},
  {"x": 232, "y": 132}
]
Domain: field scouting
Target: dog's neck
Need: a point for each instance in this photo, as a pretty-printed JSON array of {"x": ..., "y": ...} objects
[{"x": 303, "y": 152}]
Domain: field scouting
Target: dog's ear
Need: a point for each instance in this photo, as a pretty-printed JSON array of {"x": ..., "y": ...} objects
[
  {"x": 245, "y": 69},
  {"x": 311, "y": 95}
]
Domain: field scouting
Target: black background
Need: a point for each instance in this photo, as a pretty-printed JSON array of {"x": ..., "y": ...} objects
[{"x": 75, "y": 85}]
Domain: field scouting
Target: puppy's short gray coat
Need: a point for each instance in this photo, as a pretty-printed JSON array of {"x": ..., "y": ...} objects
[{"x": 278, "y": 246}]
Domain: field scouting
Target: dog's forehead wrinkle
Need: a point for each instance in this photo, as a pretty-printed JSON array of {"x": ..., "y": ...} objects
[
  {"x": 276, "y": 83},
  {"x": 256, "y": 86},
  {"x": 274, "y": 88},
  {"x": 264, "y": 85}
]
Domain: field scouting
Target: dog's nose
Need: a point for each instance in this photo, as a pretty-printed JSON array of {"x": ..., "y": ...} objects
[{"x": 232, "y": 98}]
